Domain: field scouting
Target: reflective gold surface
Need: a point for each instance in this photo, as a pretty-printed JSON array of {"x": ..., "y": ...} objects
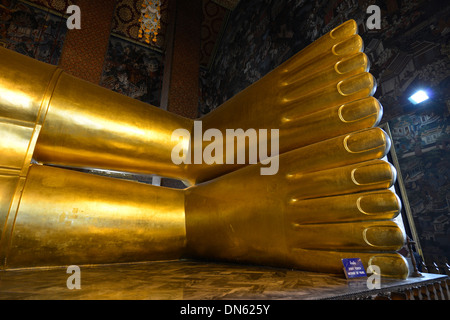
[
  {"x": 25, "y": 91},
  {"x": 285, "y": 222},
  {"x": 89, "y": 126},
  {"x": 68, "y": 217},
  {"x": 329, "y": 200}
]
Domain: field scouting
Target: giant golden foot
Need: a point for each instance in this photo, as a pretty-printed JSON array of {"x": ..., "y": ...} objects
[
  {"x": 317, "y": 210},
  {"x": 329, "y": 199}
]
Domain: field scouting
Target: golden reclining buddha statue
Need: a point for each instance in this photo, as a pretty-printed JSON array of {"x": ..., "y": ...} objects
[{"x": 330, "y": 199}]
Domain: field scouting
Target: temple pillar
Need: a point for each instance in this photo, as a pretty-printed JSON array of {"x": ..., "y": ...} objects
[
  {"x": 181, "y": 87},
  {"x": 84, "y": 49}
]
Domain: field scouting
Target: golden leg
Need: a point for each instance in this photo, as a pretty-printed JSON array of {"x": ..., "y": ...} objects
[
  {"x": 89, "y": 126},
  {"x": 59, "y": 119},
  {"x": 66, "y": 217}
]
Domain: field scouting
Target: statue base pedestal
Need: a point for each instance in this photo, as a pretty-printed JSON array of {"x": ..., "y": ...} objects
[{"x": 198, "y": 280}]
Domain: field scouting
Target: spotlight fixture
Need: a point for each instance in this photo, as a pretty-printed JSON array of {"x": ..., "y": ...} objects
[{"x": 419, "y": 97}]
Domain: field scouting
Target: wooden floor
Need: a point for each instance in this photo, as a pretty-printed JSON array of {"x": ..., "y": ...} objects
[{"x": 188, "y": 280}]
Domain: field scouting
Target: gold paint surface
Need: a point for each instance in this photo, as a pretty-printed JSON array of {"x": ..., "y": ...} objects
[
  {"x": 114, "y": 132},
  {"x": 329, "y": 200},
  {"x": 87, "y": 219}
]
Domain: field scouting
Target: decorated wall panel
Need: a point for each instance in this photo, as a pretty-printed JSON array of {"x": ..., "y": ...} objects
[
  {"x": 133, "y": 70},
  {"x": 59, "y": 6},
  {"x": 32, "y": 29},
  {"x": 133, "y": 67},
  {"x": 422, "y": 144}
]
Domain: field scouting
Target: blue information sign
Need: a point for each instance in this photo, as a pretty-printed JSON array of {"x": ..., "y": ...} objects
[{"x": 353, "y": 268}]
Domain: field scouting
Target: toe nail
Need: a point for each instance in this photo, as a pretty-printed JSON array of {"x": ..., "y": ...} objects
[
  {"x": 390, "y": 265},
  {"x": 374, "y": 173},
  {"x": 358, "y": 61},
  {"x": 367, "y": 140},
  {"x": 349, "y": 46},
  {"x": 357, "y": 83},
  {"x": 379, "y": 203},
  {"x": 346, "y": 29},
  {"x": 360, "y": 109},
  {"x": 388, "y": 236}
]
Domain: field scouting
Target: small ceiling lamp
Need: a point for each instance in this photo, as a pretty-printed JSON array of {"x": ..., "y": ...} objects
[
  {"x": 150, "y": 20},
  {"x": 418, "y": 97}
]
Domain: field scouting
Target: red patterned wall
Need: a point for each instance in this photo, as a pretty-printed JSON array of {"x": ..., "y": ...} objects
[
  {"x": 184, "y": 83},
  {"x": 84, "y": 49}
]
